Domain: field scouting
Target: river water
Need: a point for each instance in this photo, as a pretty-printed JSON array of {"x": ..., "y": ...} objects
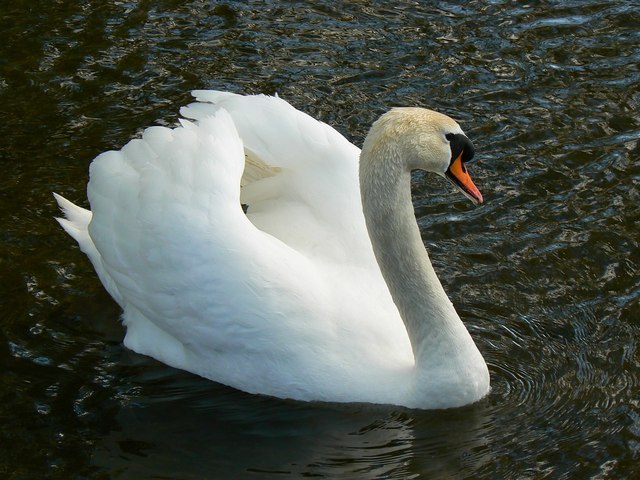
[{"x": 544, "y": 274}]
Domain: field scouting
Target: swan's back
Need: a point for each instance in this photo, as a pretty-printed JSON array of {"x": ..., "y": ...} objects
[{"x": 286, "y": 300}]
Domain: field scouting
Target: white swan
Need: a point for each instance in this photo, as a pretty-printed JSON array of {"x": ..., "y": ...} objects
[{"x": 286, "y": 300}]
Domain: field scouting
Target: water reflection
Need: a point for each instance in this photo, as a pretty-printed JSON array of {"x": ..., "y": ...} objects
[{"x": 188, "y": 427}]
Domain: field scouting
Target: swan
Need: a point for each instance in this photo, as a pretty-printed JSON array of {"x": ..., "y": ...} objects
[{"x": 255, "y": 246}]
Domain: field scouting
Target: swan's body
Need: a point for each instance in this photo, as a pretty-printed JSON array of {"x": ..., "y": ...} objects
[{"x": 287, "y": 300}]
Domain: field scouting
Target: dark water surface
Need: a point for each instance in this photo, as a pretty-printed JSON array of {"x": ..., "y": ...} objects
[{"x": 544, "y": 274}]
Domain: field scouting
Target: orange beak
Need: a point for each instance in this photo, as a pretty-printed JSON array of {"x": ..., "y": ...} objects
[{"x": 459, "y": 176}]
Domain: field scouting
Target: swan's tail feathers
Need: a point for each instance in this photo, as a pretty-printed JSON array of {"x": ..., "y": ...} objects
[
  {"x": 76, "y": 223},
  {"x": 76, "y": 219}
]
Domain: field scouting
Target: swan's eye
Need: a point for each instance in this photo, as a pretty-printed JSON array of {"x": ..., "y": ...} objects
[{"x": 460, "y": 144}]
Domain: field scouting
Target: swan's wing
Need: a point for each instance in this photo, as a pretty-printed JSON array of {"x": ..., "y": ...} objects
[
  {"x": 194, "y": 275},
  {"x": 239, "y": 298},
  {"x": 301, "y": 177}
]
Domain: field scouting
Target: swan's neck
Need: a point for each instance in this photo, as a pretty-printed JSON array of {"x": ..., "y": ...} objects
[{"x": 439, "y": 340}]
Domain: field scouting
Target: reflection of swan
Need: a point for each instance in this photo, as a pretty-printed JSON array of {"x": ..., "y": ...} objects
[{"x": 288, "y": 299}]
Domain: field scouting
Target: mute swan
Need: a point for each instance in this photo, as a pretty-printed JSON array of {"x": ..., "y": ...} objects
[{"x": 302, "y": 297}]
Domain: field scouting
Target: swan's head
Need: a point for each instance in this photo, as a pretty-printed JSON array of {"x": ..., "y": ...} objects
[{"x": 426, "y": 140}]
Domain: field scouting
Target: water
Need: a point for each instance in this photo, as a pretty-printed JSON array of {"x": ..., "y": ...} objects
[{"x": 545, "y": 273}]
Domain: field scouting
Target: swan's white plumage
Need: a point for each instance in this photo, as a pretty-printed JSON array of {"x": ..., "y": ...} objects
[{"x": 287, "y": 300}]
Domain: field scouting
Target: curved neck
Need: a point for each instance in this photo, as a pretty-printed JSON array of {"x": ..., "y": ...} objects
[{"x": 433, "y": 326}]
